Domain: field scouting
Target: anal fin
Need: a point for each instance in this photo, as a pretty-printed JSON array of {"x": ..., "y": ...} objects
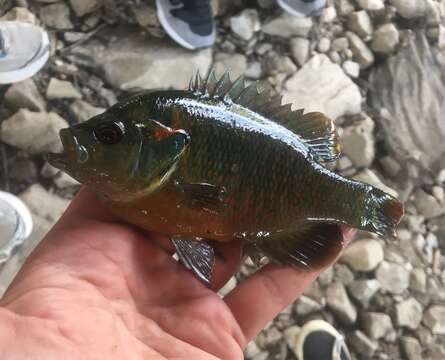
[
  {"x": 197, "y": 256},
  {"x": 312, "y": 245}
]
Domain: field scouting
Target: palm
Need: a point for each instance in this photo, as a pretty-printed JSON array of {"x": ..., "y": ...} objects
[{"x": 99, "y": 289}]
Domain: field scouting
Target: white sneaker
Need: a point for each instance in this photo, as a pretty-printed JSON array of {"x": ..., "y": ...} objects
[
  {"x": 15, "y": 224},
  {"x": 24, "y": 49}
]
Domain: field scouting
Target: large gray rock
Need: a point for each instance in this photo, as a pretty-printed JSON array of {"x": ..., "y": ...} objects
[
  {"x": 393, "y": 278},
  {"x": 82, "y": 111},
  {"x": 300, "y": 48},
  {"x": 411, "y": 348},
  {"x": 288, "y": 26},
  {"x": 409, "y": 313},
  {"x": 358, "y": 143},
  {"x": 360, "y": 23},
  {"x": 245, "y": 24},
  {"x": 34, "y": 132},
  {"x": 44, "y": 204},
  {"x": 428, "y": 205},
  {"x": 24, "y": 94},
  {"x": 305, "y": 305},
  {"x": 363, "y": 255},
  {"x": 133, "y": 60},
  {"x": 362, "y": 344},
  {"x": 362, "y": 54},
  {"x": 62, "y": 89},
  {"x": 339, "y": 303},
  {"x": 235, "y": 64},
  {"x": 83, "y": 7},
  {"x": 363, "y": 290},
  {"x": 321, "y": 85},
  {"x": 411, "y": 87},
  {"x": 371, "y": 5},
  {"x": 376, "y": 325},
  {"x": 434, "y": 318},
  {"x": 385, "y": 39},
  {"x": 410, "y": 9},
  {"x": 56, "y": 16}
]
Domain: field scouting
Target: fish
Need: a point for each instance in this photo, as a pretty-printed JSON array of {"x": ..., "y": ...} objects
[{"x": 220, "y": 162}]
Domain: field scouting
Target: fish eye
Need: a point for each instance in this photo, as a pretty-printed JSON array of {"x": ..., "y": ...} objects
[{"x": 110, "y": 132}]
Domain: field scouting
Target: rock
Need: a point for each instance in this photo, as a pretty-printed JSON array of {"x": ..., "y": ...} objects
[
  {"x": 413, "y": 104},
  {"x": 343, "y": 274},
  {"x": 263, "y": 355},
  {"x": 363, "y": 290},
  {"x": 360, "y": 23},
  {"x": 358, "y": 143},
  {"x": 441, "y": 39},
  {"x": 385, "y": 39},
  {"x": 24, "y": 94},
  {"x": 351, "y": 68},
  {"x": 287, "y": 26},
  {"x": 411, "y": 348},
  {"x": 339, "y": 303},
  {"x": 362, "y": 344},
  {"x": 344, "y": 7},
  {"x": 63, "y": 180},
  {"x": 418, "y": 280},
  {"x": 326, "y": 277},
  {"x": 48, "y": 171},
  {"x": 409, "y": 313},
  {"x": 439, "y": 193},
  {"x": 276, "y": 64},
  {"x": 43, "y": 204},
  {"x": 147, "y": 17},
  {"x": 20, "y": 14},
  {"x": 305, "y": 306},
  {"x": 363, "y": 255},
  {"x": 321, "y": 85},
  {"x": 393, "y": 278},
  {"x": 73, "y": 36},
  {"x": 376, "y": 325},
  {"x": 328, "y": 14},
  {"x": 291, "y": 337},
  {"x": 371, "y": 5},
  {"x": 324, "y": 45},
  {"x": 370, "y": 177},
  {"x": 251, "y": 350},
  {"x": 228, "y": 287},
  {"x": 83, "y": 7},
  {"x": 245, "y": 24},
  {"x": 390, "y": 165},
  {"x": 24, "y": 171},
  {"x": 434, "y": 318},
  {"x": 254, "y": 71},
  {"x": 61, "y": 89},
  {"x": 300, "y": 48},
  {"x": 56, "y": 16},
  {"x": 361, "y": 52},
  {"x": 130, "y": 59},
  {"x": 428, "y": 205},
  {"x": 409, "y": 9},
  {"x": 36, "y": 133},
  {"x": 82, "y": 111},
  {"x": 235, "y": 64},
  {"x": 340, "y": 44}
]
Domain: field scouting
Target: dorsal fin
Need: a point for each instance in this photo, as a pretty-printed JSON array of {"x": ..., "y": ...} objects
[{"x": 315, "y": 129}]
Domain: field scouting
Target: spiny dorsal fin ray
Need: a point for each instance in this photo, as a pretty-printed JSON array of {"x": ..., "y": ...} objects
[{"x": 315, "y": 129}]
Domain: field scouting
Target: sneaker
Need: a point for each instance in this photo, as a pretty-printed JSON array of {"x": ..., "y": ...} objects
[
  {"x": 188, "y": 22},
  {"x": 24, "y": 49},
  {"x": 15, "y": 224},
  {"x": 319, "y": 340},
  {"x": 302, "y": 8}
]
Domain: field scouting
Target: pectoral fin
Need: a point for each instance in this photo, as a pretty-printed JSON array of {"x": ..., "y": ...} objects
[
  {"x": 312, "y": 245},
  {"x": 202, "y": 195},
  {"x": 197, "y": 256}
]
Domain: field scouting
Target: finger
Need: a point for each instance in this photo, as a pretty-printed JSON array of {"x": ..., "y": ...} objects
[
  {"x": 257, "y": 300},
  {"x": 227, "y": 261}
]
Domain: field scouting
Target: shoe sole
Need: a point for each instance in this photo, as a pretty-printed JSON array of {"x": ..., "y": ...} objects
[
  {"x": 170, "y": 31},
  {"x": 29, "y": 70}
]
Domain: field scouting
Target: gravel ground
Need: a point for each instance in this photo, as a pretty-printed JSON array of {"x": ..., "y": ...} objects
[{"x": 375, "y": 66}]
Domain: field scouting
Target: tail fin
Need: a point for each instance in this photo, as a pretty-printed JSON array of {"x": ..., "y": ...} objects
[{"x": 383, "y": 214}]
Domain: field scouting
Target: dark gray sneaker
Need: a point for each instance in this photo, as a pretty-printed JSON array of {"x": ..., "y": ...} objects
[
  {"x": 318, "y": 340},
  {"x": 302, "y": 8},
  {"x": 188, "y": 22}
]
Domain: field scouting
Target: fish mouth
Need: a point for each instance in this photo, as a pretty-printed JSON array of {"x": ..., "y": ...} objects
[{"x": 72, "y": 151}]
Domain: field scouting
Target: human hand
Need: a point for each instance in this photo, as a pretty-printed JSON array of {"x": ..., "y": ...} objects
[{"x": 96, "y": 288}]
